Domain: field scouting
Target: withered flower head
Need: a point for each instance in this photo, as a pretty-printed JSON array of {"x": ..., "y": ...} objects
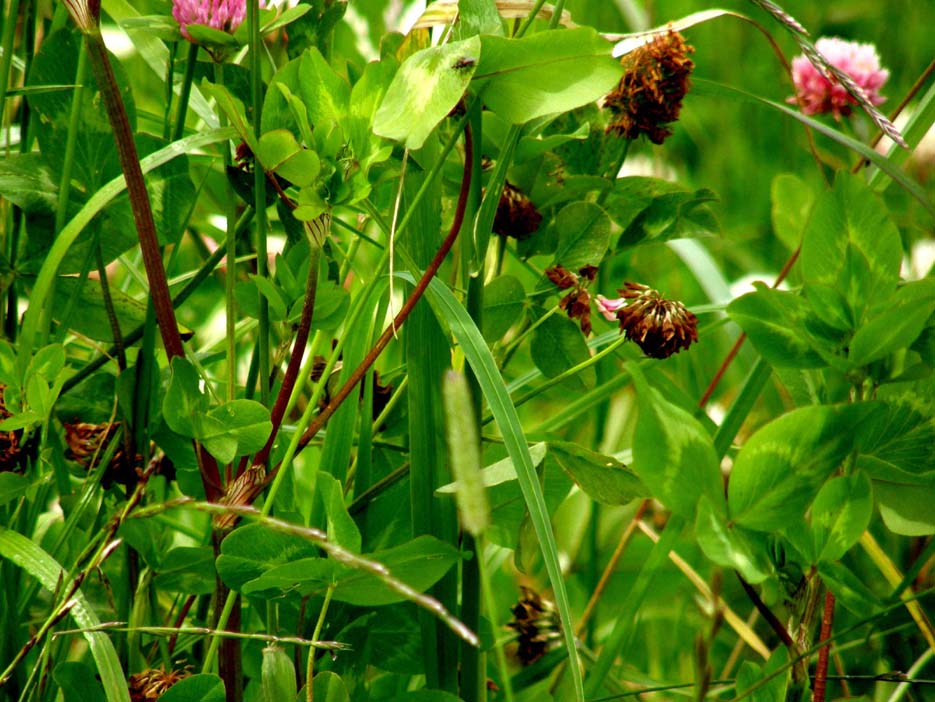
[
  {"x": 11, "y": 452},
  {"x": 659, "y": 327},
  {"x": 149, "y": 685},
  {"x": 538, "y": 626},
  {"x": 649, "y": 96},
  {"x": 516, "y": 215},
  {"x": 87, "y": 442},
  {"x": 577, "y": 303}
]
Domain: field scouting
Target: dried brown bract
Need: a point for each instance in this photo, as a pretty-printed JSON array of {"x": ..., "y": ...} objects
[
  {"x": 537, "y": 624},
  {"x": 516, "y": 215},
  {"x": 649, "y": 96},
  {"x": 659, "y": 327}
]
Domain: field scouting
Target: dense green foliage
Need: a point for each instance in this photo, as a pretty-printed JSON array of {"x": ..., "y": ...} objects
[{"x": 365, "y": 353}]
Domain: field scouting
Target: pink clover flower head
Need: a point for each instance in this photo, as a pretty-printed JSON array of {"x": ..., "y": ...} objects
[
  {"x": 225, "y": 15},
  {"x": 818, "y": 95},
  {"x": 609, "y": 308}
]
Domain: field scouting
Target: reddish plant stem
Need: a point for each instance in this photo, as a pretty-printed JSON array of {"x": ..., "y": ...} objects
[
  {"x": 145, "y": 226},
  {"x": 390, "y": 332},
  {"x": 821, "y": 670},
  {"x": 767, "y": 614},
  {"x": 295, "y": 360}
]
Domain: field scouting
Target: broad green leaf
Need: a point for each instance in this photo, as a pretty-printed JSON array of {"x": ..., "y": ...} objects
[
  {"x": 202, "y": 687},
  {"x": 773, "y": 691},
  {"x": 792, "y": 201},
  {"x": 77, "y": 682},
  {"x": 504, "y": 299},
  {"x": 478, "y": 17},
  {"x": 849, "y": 589},
  {"x": 184, "y": 400},
  {"x": 91, "y": 317},
  {"x": 583, "y": 235},
  {"x": 326, "y": 95},
  {"x": 235, "y": 112},
  {"x": 653, "y": 209},
  {"x": 280, "y": 153},
  {"x": 545, "y": 73},
  {"x": 906, "y": 508},
  {"x": 781, "y": 468},
  {"x": 603, "y": 478},
  {"x": 502, "y": 471},
  {"x": 186, "y": 569},
  {"x": 840, "y": 514},
  {"x": 40, "y": 565},
  {"x": 341, "y": 528},
  {"x": 899, "y": 323},
  {"x": 673, "y": 454},
  {"x": 775, "y": 322},
  {"x": 730, "y": 545},
  {"x": 897, "y": 444},
  {"x": 12, "y": 485},
  {"x": 26, "y": 181},
  {"x": 366, "y": 96},
  {"x": 557, "y": 345},
  {"x": 424, "y": 90},
  {"x": 850, "y": 244},
  {"x": 329, "y": 687},
  {"x": 252, "y": 549}
]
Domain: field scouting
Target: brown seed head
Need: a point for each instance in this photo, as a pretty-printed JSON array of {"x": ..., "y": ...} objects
[
  {"x": 516, "y": 215},
  {"x": 537, "y": 623},
  {"x": 149, "y": 685},
  {"x": 659, "y": 327},
  {"x": 649, "y": 96}
]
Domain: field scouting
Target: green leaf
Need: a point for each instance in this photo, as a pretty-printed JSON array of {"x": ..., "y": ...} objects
[
  {"x": 40, "y": 565},
  {"x": 12, "y": 485},
  {"x": 341, "y": 528},
  {"x": 850, "y": 244},
  {"x": 775, "y": 322},
  {"x": 366, "y": 96},
  {"x": 252, "y": 549},
  {"x": 792, "y": 201},
  {"x": 26, "y": 181},
  {"x": 840, "y": 514},
  {"x": 478, "y": 17},
  {"x": 603, "y": 478},
  {"x": 730, "y": 545},
  {"x": 202, "y": 687},
  {"x": 420, "y": 563},
  {"x": 236, "y": 428},
  {"x": 424, "y": 90},
  {"x": 77, "y": 682},
  {"x": 897, "y": 444},
  {"x": 188, "y": 570},
  {"x": 781, "y": 468},
  {"x": 583, "y": 235},
  {"x": 557, "y": 345},
  {"x": 899, "y": 323},
  {"x": 280, "y": 153},
  {"x": 504, "y": 299},
  {"x": 184, "y": 400},
  {"x": 849, "y": 589},
  {"x": 464, "y": 453},
  {"x": 545, "y": 73},
  {"x": 906, "y": 508},
  {"x": 750, "y": 674},
  {"x": 329, "y": 687},
  {"x": 653, "y": 209},
  {"x": 673, "y": 454},
  {"x": 92, "y": 317},
  {"x": 326, "y": 95}
]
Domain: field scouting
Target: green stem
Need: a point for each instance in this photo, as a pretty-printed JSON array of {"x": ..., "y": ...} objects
[
  {"x": 230, "y": 245},
  {"x": 319, "y": 625},
  {"x": 185, "y": 92},
  {"x": 109, "y": 306},
  {"x": 490, "y": 602},
  {"x": 259, "y": 186}
]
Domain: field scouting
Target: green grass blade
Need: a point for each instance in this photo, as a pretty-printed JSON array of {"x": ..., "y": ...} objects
[
  {"x": 451, "y": 313},
  {"x": 47, "y": 571},
  {"x": 66, "y": 237},
  {"x": 707, "y": 87}
]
